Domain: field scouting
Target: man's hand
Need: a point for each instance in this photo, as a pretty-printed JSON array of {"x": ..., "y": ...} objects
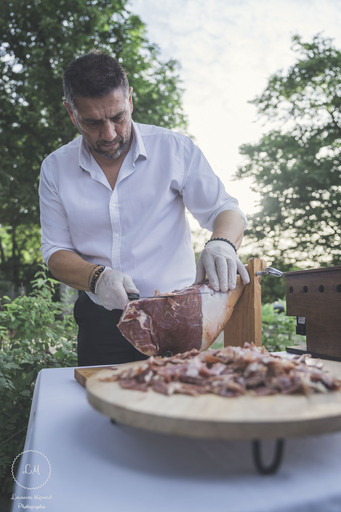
[
  {"x": 112, "y": 288},
  {"x": 220, "y": 263}
]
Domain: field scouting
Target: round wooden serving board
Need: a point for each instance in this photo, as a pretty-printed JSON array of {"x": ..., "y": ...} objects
[{"x": 210, "y": 416}]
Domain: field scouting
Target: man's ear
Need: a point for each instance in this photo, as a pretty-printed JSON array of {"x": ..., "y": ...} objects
[
  {"x": 131, "y": 99},
  {"x": 69, "y": 109}
]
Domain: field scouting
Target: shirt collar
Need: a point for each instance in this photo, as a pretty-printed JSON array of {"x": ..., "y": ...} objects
[
  {"x": 86, "y": 160},
  {"x": 138, "y": 147}
]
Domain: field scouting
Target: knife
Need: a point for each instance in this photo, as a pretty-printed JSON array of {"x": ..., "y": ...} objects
[{"x": 136, "y": 296}]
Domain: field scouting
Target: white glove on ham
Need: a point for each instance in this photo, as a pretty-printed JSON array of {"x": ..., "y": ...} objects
[
  {"x": 112, "y": 288},
  {"x": 220, "y": 263}
]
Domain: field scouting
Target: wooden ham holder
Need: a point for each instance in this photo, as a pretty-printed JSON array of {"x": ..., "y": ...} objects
[{"x": 245, "y": 324}]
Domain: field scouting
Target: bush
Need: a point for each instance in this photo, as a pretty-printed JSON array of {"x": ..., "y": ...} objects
[
  {"x": 278, "y": 330},
  {"x": 35, "y": 332}
]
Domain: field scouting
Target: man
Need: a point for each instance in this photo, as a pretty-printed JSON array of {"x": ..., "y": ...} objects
[{"x": 113, "y": 210}]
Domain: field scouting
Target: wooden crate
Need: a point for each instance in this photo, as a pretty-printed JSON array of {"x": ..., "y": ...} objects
[{"x": 316, "y": 296}]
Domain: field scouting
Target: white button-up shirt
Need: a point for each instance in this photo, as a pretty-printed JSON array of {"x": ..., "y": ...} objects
[{"x": 140, "y": 227}]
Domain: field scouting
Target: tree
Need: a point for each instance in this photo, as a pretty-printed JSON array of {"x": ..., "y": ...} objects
[
  {"x": 296, "y": 165},
  {"x": 38, "y": 39}
]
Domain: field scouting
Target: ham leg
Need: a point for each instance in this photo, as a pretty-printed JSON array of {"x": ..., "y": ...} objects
[{"x": 190, "y": 318}]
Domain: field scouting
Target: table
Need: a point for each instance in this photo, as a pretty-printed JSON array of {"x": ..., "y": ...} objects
[{"x": 98, "y": 466}]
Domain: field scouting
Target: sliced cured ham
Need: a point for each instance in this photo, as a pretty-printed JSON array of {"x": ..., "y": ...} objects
[
  {"x": 183, "y": 320},
  {"x": 229, "y": 372}
]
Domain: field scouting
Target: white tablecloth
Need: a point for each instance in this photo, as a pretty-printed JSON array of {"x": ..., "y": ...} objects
[{"x": 97, "y": 466}]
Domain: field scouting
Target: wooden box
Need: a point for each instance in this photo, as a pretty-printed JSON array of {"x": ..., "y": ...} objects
[{"x": 315, "y": 295}]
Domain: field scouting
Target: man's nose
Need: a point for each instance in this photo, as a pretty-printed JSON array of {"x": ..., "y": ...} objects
[{"x": 109, "y": 130}]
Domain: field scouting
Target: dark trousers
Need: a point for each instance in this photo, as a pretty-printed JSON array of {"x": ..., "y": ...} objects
[{"x": 99, "y": 340}]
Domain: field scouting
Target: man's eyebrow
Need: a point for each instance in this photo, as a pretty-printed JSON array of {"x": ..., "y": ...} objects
[
  {"x": 90, "y": 120},
  {"x": 98, "y": 120},
  {"x": 119, "y": 114}
]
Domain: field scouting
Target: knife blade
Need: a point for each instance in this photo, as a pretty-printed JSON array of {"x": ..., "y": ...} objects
[{"x": 136, "y": 296}]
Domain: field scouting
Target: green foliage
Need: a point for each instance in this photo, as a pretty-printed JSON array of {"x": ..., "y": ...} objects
[
  {"x": 278, "y": 330},
  {"x": 35, "y": 333},
  {"x": 273, "y": 288},
  {"x": 38, "y": 39},
  {"x": 296, "y": 166}
]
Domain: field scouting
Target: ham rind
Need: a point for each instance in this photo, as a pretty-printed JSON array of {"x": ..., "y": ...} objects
[{"x": 183, "y": 320}]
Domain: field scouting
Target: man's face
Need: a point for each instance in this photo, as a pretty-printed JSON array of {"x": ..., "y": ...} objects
[{"x": 105, "y": 123}]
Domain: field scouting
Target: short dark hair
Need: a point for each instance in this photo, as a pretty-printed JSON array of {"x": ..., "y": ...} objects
[{"x": 94, "y": 74}]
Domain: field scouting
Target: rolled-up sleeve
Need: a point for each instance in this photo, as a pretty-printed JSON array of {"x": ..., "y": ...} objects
[{"x": 55, "y": 234}]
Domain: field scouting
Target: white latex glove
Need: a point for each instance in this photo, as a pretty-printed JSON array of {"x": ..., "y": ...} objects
[
  {"x": 220, "y": 263},
  {"x": 112, "y": 288}
]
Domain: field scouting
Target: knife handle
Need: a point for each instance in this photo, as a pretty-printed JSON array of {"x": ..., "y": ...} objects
[{"x": 133, "y": 296}]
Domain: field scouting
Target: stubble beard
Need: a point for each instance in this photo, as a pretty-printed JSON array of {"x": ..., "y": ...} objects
[{"x": 114, "y": 154}]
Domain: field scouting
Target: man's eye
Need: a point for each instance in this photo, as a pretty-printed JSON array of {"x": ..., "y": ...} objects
[{"x": 117, "y": 119}]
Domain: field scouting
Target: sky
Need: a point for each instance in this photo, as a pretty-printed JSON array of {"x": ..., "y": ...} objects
[{"x": 227, "y": 50}]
